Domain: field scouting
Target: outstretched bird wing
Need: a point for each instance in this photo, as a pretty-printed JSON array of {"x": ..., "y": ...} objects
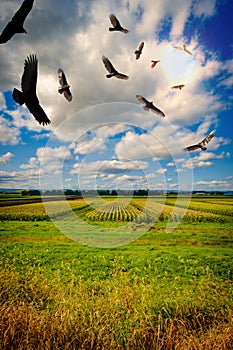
[
  {"x": 193, "y": 147},
  {"x": 142, "y": 100},
  {"x": 178, "y": 48},
  {"x": 17, "y": 21},
  {"x": 67, "y": 94},
  {"x": 108, "y": 65},
  {"x": 115, "y": 22},
  {"x": 29, "y": 80},
  {"x": 186, "y": 50},
  {"x": 207, "y": 138},
  {"x": 156, "y": 110},
  {"x": 29, "y": 77},
  {"x": 121, "y": 76},
  {"x": 113, "y": 72}
]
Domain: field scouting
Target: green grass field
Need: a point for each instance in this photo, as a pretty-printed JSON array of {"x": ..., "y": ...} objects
[{"x": 161, "y": 291}]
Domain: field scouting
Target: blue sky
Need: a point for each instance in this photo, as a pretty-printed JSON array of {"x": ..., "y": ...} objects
[{"x": 104, "y": 138}]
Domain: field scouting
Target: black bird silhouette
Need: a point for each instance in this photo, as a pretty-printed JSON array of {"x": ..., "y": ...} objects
[
  {"x": 149, "y": 106},
  {"x": 138, "y": 52},
  {"x": 28, "y": 94},
  {"x": 64, "y": 86},
  {"x": 201, "y": 144},
  {"x": 181, "y": 86},
  {"x": 17, "y": 21},
  {"x": 113, "y": 72},
  {"x": 154, "y": 62},
  {"x": 116, "y": 25}
]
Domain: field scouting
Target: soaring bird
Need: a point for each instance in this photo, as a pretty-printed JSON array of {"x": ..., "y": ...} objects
[
  {"x": 17, "y": 21},
  {"x": 183, "y": 48},
  {"x": 148, "y": 106},
  {"x": 181, "y": 86},
  {"x": 116, "y": 25},
  {"x": 201, "y": 144},
  {"x": 28, "y": 94},
  {"x": 154, "y": 62},
  {"x": 64, "y": 86},
  {"x": 138, "y": 52},
  {"x": 113, "y": 72}
]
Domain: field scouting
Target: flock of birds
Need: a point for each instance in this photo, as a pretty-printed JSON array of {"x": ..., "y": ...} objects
[{"x": 28, "y": 94}]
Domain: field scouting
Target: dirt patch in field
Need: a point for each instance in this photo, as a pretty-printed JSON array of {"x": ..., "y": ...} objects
[{"x": 8, "y": 203}]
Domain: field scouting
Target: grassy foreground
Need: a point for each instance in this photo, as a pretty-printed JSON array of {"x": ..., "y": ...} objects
[{"x": 162, "y": 291}]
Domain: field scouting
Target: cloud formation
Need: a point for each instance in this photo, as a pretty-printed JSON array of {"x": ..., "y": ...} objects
[
  {"x": 74, "y": 35},
  {"x": 5, "y": 158}
]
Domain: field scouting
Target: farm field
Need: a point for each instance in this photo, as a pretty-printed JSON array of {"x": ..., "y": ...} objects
[{"x": 160, "y": 291}]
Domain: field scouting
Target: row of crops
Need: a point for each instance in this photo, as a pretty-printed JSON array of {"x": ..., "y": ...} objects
[
  {"x": 116, "y": 211},
  {"x": 41, "y": 211},
  {"x": 165, "y": 212},
  {"x": 121, "y": 210},
  {"x": 214, "y": 206}
]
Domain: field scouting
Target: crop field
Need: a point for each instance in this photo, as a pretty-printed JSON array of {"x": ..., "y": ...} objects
[
  {"x": 114, "y": 211},
  {"x": 211, "y": 205},
  {"x": 118, "y": 210},
  {"x": 38, "y": 212},
  {"x": 160, "y": 291}
]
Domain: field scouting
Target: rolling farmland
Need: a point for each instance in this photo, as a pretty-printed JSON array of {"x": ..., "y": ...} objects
[
  {"x": 161, "y": 291},
  {"x": 120, "y": 210}
]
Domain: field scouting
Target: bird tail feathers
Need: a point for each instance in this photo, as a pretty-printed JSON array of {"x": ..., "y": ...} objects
[
  {"x": 125, "y": 31},
  {"x": 111, "y": 29},
  {"x": 18, "y": 97}
]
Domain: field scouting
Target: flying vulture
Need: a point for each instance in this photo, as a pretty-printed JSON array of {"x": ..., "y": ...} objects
[
  {"x": 28, "y": 94},
  {"x": 138, "y": 52},
  {"x": 64, "y": 86},
  {"x": 181, "y": 86},
  {"x": 148, "y": 106},
  {"x": 183, "y": 48},
  {"x": 113, "y": 72},
  {"x": 154, "y": 62},
  {"x": 17, "y": 21},
  {"x": 201, "y": 144},
  {"x": 116, "y": 25}
]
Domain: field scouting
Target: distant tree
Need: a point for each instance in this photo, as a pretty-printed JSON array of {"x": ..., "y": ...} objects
[
  {"x": 114, "y": 193},
  {"x": 24, "y": 192},
  {"x": 53, "y": 193},
  {"x": 34, "y": 193},
  {"x": 103, "y": 192},
  {"x": 69, "y": 192},
  {"x": 140, "y": 192}
]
